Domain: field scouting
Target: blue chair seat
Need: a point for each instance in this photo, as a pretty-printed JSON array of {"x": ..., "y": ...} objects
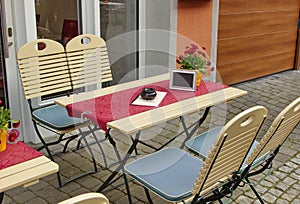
[
  {"x": 55, "y": 117},
  {"x": 202, "y": 143},
  {"x": 158, "y": 170}
]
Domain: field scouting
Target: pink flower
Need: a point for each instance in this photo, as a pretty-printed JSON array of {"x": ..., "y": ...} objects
[
  {"x": 13, "y": 135},
  {"x": 17, "y": 124},
  {"x": 194, "y": 46}
]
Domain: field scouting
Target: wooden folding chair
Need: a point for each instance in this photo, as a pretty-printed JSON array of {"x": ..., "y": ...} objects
[
  {"x": 268, "y": 147},
  {"x": 88, "y": 61},
  {"x": 87, "y": 198},
  {"x": 177, "y": 176},
  {"x": 44, "y": 71},
  {"x": 262, "y": 153},
  {"x": 89, "y": 67}
]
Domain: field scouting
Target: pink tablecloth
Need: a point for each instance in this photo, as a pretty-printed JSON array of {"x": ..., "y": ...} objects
[
  {"x": 117, "y": 105},
  {"x": 17, "y": 153}
]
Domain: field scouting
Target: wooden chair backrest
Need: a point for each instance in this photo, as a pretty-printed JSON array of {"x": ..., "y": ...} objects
[
  {"x": 279, "y": 130},
  {"x": 87, "y": 198},
  {"x": 43, "y": 68},
  {"x": 88, "y": 60},
  {"x": 230, "y": 149}
]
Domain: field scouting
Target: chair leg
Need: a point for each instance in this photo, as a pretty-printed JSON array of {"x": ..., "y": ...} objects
[
  {"x": 148, "y": 196},
  {"x": 1, "y": 197},
  {"x": 73, "y": 137},
  {"x": 59, "y": 180},
  {"x": 100, "y": 146},
  {"x": 91, "y": 130},
  {"x": 45, "y": 145},
  {"x": 89, "y": 148},
  {"x": 42, "y": 140},
  {"x": 254, "y": 190},
  {"x": 127, "y": 186},
  {"x": 135, "y": 149}
]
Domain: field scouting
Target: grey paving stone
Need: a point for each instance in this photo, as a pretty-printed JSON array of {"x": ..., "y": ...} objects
[
  {"x": 289, "y": 181},
  {"x": 37, "y": 200},
  {"x": 272, "y": 178},
  {"x": 24, "y": 196},
  {"x": 288, "y": 197},
  {"x": 276, "y": 192},
  {"x": 280, "y": 174},
  {"x": 296, "y": 161},
  {"x": 269, "y": 198},
  {"x": 281, "y": 201},
  {"x": 283, "y": 186}
]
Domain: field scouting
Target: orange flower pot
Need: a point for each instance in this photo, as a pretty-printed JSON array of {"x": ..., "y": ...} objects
[
  {"x": 198, "y": 81},
  {"x": 3, "y": 134}
]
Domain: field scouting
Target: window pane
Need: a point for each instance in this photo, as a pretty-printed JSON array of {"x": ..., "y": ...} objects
[
  {"x": 57, "y": 19},
  {"x": 118, "y": 25}
]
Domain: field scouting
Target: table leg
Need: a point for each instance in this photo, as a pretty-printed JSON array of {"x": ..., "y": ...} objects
[
  {"x": 122, "y": 163},
  {"x": 196, "y": 126},
  {"x": 1, "y": 197}
]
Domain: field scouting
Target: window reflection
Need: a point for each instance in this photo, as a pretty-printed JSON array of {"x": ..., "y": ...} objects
[
  {"x": 113, "y": 18},
  {"x": 56, "y": 19},
  {"x": 117, "y": 21}
]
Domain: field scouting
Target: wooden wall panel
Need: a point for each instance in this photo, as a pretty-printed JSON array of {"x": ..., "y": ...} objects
[
  {"x": 253, "y": 68},
  {"x": 256, "y": 38},
  {"x": 238, "y": 49},
  {"x": 297, "y": 58},
  {"x": 234, "y": 6},
  {"x": 243, "y": 24}
]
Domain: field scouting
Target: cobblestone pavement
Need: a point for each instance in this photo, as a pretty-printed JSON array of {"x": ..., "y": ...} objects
[{"x": 280, "y": 186}]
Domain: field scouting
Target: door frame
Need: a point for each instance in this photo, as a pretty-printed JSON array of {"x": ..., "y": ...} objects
[{"x": 15, "y": 94}]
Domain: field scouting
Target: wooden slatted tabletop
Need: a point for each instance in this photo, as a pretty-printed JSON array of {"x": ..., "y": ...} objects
[
  {"x": 141, "y": 121},
  {"x": 134, "y": 123},
  {"x": 26, "y": 173}
]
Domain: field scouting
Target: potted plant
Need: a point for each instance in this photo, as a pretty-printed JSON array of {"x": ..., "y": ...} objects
[
  {"x": 194, "y": 58},
  {"x": 5, "y": 119}
]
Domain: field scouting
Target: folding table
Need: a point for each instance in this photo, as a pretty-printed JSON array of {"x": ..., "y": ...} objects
[
  {"x": 110, "y": 108},
  {"x": 21, "y": 165}
]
